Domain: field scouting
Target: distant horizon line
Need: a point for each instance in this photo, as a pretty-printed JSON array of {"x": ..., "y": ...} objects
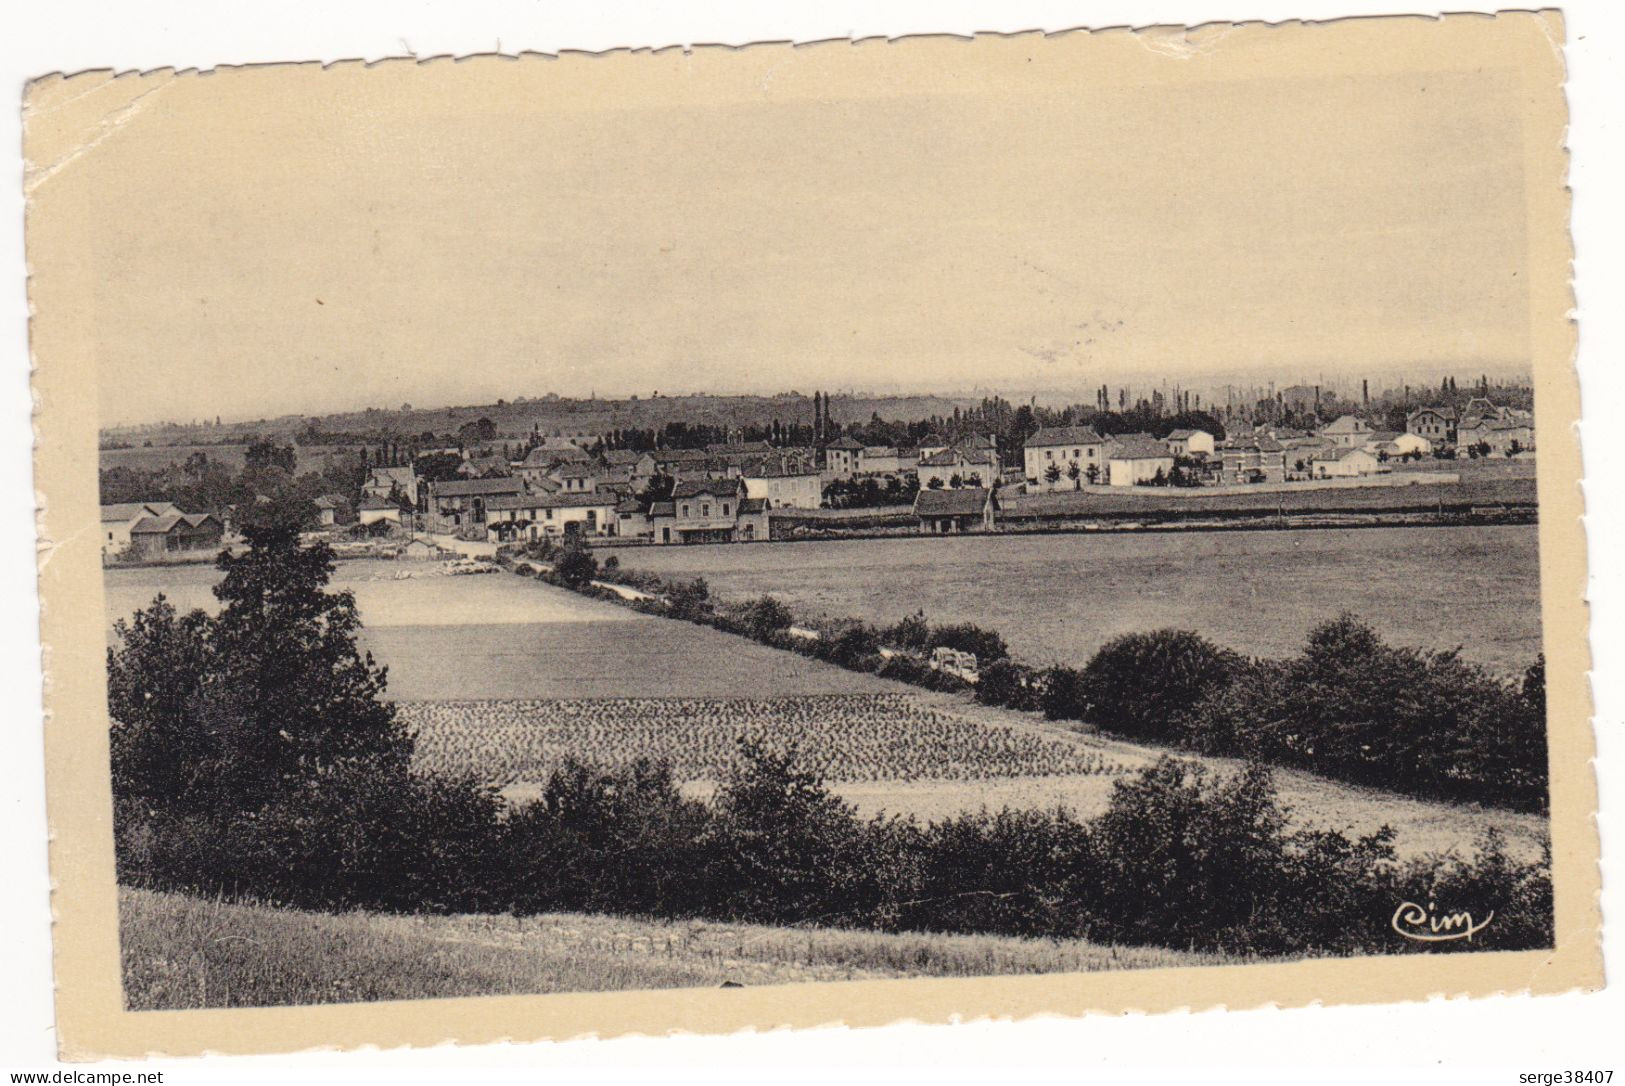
[{"x": 1071, "y": 391}]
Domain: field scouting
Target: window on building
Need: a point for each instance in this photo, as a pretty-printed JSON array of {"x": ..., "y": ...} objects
[
  {"x": 705, "y": 509},
  {"x": 685, "y": 509},
  {"x": 725, "y": 509}
]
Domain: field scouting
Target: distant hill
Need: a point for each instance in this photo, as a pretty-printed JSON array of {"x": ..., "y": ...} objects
[{"x": 553, "y": 414}]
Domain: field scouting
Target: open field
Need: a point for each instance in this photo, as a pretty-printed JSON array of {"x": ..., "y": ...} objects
[
  {"x": 181, "y": 952},
  {"x": 1058, "y": 598},
  {"x": 503, "y": 637},
  {"x": 885, "y": 737},
  {"x": 542, "y": 662}
]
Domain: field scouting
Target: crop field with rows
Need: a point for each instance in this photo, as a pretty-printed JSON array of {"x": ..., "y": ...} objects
[{"x": 868, "y": 737}]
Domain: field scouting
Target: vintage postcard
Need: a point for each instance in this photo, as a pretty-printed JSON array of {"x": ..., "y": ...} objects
[{"x": 845, "y": 532}]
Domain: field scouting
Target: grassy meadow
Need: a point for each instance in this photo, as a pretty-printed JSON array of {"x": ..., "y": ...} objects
[
  {"x": 1058, "y": 598},
  {"x": 526, "y": 647},
  {"x": 182, "y": 952}
]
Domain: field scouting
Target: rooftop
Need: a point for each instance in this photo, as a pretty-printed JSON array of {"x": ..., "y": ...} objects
[
  {"x": 462, "y": 488},
  {"x": 951, "y": 502},
  {"x": 1052, "y": 436}
]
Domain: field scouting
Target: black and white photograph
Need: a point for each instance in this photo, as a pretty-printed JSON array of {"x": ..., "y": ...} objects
[{"x": 731, "y": 519}]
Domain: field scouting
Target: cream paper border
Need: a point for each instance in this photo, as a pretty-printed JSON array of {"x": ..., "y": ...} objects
[{"x": 90, "y": 1017}]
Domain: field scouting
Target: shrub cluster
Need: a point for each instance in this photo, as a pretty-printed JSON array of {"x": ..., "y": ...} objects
[
  {"x": 1348, "y": 707},
  {"x": 254, "y": 756},
  {"x": 1179, "y": 858}
]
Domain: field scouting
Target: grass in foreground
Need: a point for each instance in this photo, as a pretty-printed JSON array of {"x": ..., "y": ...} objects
[{"x": 182, "y": 952}]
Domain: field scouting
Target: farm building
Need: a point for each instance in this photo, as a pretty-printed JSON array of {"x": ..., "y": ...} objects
[
  {"x": 841, "y": 458},
  {"x": 967, "y": 464},
  {"x": 1348, "y": 432},
  {"x": 578, "y": 477},
  {"x": 383, "y": 482},
  {"x": 629, "y": 466},
  {"x": 376, "y": 510},
  {"x": 1062, "y": 447},
  {"x": 1190, "y": 443},
  {"x": 156, "y": 538},
  {"x": 1434, "y": 424},
  {"x": 886, "y": 460},
  {"x": 461, "y": 503},
  {"x": 1258, "y": 458},
  {"x": 951, "y": 511},
  {"x": 1343, "y": 464},
  {"x": 1501, "y": 435},
  {"x": 1397, "y": 445},
  {"x": 1136, "y": 458},
  {"x": 782, "y": 483},
  {"x": 419, "y": 550},
  {"x": 117, "y": 520},
  {"x": 631, "y": 520},
  {"x": 332, "y": 509},
  {"x": 510, "y": 517},
  {"x": 709, "y": 511}
]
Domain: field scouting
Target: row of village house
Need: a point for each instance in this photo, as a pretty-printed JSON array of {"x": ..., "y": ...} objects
[{"x": 726, "y": 492}]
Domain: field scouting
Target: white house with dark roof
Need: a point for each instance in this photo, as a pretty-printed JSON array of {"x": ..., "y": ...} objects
[
  {"x": 509, "y": 518},
  {"x": 1061, "y": 447},
  {"x": 1136, "y": 458},
  {"x": 1343, "y": 463},
  {"x": 1191, "y": 443},
  {"x": 1436, "y": 424},
  {"x": 966, "y": 464},
  {"x": 782, "y": 482},
  {"x": 841, "y": 458},
  {"x": 460, "y": 504},
  {"x": 119, "y": 518},
  {"x": 1347, "y": 432},
  {"x": 375, "y": 510}
]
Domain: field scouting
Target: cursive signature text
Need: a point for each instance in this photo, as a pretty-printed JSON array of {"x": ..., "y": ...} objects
[{"x": 1430, "y": 926}]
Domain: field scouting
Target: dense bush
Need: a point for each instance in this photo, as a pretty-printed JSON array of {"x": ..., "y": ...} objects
[
  {"x": 910, "y": 633},
  {"x": 1063, "y": 695},
  {"x": 1146, "y": 685},
  {"x": 1009, "y": 684},
  {"x": 690, "y": 600},
  {"x": 1179, "y": 858},
  {"x": 1355, "y": 708},
  {"x": 986, "y": 644},
  {"x": 575, "y": 565},
  {"x": 765, "y": 618}
]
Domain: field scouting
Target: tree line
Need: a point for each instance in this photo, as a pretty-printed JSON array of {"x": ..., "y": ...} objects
[{"x": 253, "y": 755}]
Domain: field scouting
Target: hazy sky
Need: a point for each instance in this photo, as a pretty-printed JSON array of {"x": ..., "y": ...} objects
[{"x": 378, "y": 237}]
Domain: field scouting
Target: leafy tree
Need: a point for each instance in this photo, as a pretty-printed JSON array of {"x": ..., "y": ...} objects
[
  {"x": 1075, "y": 473},
  {"x": 789, "y": 849},
  {"x": 1147, "y": 685},
  {"x": 987, "y": 645},
  {"x": 233, "y": 710},
  {"x": 264, "y": 454},
  {"x": 575, "y": 564},
  {"x": 935, "y": 483},
  {"x": 657, "y": 489},
  {"x": 766, "y": 617},
  {"x": 910, "y": 633},
  {"x": 690, "y": 600}
]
